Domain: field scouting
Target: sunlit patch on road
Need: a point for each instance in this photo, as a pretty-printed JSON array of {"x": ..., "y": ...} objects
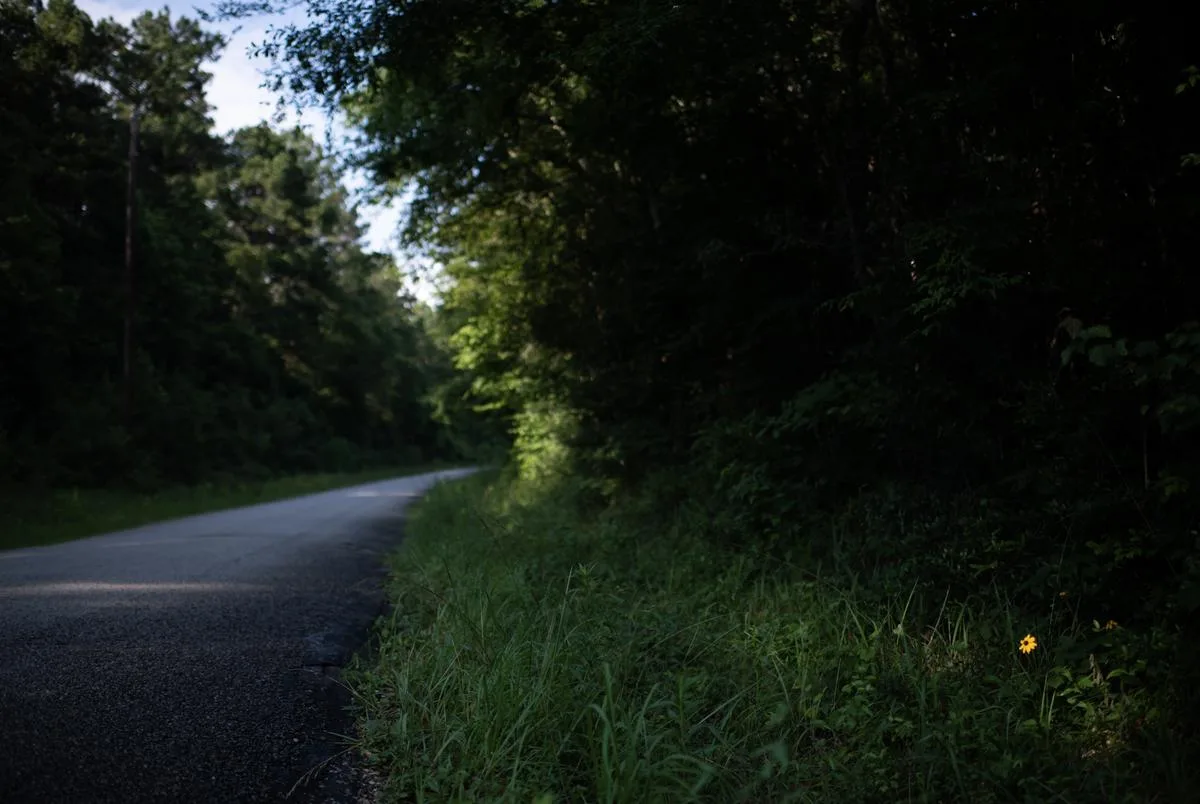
[{"x": 96, "y": 587}]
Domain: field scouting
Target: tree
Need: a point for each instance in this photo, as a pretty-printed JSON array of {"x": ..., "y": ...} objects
[
  {"x": 268, "y": 338},
  {"x": 156, "y": 70},
  {"x": 826, "y": 244}
]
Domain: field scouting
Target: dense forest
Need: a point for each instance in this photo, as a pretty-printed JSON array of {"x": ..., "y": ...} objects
[
  {"x": 898, "y": 292},
  {"x": 900, "y": 289},
  {"x": 840, "y": 259},
  {"x": 176, "y": 305}
]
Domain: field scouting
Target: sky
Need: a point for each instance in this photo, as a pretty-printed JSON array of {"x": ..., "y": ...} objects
[{"x": 239, "y": 99}]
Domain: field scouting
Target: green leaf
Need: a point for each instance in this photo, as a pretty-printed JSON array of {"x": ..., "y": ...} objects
[{"x": 1102, "y": 355}]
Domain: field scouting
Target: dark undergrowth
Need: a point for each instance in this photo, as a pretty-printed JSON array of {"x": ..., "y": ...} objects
[{"x": 545, "y": 649}]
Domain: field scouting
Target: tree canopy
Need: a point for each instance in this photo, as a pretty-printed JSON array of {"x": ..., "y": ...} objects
[
  {"x": 267, "y": 337},
  {"x": 660, "y": 213},
  {"x": 866, "y": 260}
]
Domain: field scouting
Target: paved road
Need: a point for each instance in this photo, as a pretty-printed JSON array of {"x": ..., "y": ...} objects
[{"x": 193, "y": 660}]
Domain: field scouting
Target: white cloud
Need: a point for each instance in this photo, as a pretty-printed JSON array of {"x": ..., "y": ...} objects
[{"x": 239, "y": 98}]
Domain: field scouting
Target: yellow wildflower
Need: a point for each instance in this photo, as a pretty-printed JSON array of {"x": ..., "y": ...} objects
[
  {"x": 1028, "y": 644},
  {"x": 1110, "y": 625}
]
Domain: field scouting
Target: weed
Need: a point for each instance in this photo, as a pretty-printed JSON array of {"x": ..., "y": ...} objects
[{"x": 538, "y": 654}]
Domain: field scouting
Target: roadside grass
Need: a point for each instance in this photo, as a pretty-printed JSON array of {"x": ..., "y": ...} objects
[
  {"x": 29, "y": 518},
  {"x": 540, "y": 654}
]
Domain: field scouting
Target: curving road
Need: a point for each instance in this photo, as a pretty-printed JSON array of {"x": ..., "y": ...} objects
[{"x": 193, "y": 660}]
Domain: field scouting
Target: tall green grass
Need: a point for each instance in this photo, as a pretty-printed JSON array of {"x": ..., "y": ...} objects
[
  {"x": 540, "y": 653},
  {"x": 32, "y": 517}
]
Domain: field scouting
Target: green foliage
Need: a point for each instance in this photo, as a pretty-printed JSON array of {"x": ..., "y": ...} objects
[
  {"x": 537, "y": 650},
  {"x": 665, "y": 217},
  {"x": 267, "y": 340},
  {"x": 541, "y": 438},
  {"x": 901, "y": 291}
]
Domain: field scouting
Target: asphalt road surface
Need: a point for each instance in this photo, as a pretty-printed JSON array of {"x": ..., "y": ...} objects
[{"x": 194, "y": 660}]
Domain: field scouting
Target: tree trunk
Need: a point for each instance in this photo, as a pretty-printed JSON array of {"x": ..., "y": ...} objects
[{"x": 130, "y": 288}]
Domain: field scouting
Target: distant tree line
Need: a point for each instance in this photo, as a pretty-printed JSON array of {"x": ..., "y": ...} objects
[{"x": 249, "y": 331}]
